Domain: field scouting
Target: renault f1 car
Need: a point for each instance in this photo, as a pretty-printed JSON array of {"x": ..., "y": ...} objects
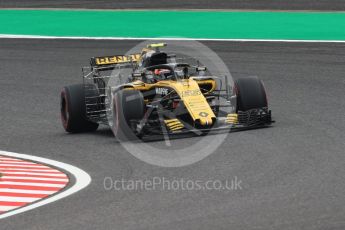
[{"x": 160, "y": 95}]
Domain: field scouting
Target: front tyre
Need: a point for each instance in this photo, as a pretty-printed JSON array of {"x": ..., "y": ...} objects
[
  {"x": 250, "y": 93},
  {"x": 128, "y": 106},
  {"x": 73, "y": 110}
]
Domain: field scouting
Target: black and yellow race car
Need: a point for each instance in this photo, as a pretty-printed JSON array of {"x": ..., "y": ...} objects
[{"x": 159, "y": 95}]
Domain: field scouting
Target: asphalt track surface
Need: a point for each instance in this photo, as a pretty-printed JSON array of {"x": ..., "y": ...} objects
[
  {"x": 323, "y": 5},
  {"x": 292, "y": 174}
]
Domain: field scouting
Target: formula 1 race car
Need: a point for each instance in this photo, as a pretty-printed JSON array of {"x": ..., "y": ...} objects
[{"x": 159, "y": 95}]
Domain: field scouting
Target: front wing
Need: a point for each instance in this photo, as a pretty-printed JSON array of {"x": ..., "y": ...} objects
[{"x": 252, "y": 119}]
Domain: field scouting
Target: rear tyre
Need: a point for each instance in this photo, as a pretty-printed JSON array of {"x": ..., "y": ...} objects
[
  {"x": 128, "y": 105},
  {"x": 250, "y": 93},
  {"x": 73, "y": 110}
]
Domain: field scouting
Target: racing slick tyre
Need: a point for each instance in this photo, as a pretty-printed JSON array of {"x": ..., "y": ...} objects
[
  {"x": 250, "y": 93},
  {"x": 73, "y": 108},
  {"x": 127, "y": 105}
]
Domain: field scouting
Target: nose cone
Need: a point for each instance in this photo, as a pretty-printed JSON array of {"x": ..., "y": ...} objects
[
  {"x": 206, "y": 121},
  {"x": 195, "y": 102}
]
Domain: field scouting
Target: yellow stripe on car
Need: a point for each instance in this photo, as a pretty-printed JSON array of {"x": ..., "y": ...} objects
[
  {"x": 173, "y": 124},
  {"x": 232, "y": 118}
]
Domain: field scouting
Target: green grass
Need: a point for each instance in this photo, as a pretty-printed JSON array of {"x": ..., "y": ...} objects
[{"x": 193, "y": 24}]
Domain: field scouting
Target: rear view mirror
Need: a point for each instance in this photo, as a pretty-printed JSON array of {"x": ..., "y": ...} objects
[
  {"x": 137, "y": 74},
  {"x": 201, "y": 68}
]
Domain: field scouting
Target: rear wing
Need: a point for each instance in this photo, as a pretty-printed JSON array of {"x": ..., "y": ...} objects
[{"x": 113, "y": 60}]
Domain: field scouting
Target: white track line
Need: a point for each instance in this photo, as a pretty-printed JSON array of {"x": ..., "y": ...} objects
[
  {"x": 35, "y": 174},
  {"x": 18, "y": 199},
  {"x": 172, "y": 9},
  {"x": 28, "y": 169},
  {"x": 170, "y": 39},
  {"x": 82, "y": 179},
  {"x": 8, "y": 170},
  {"x": 2, "y": 162},
  {"x": 16, "y": 162},
  {"x": 32, "y": 184},
  {"x": 24, "y": 166},
  {"x": 3, "y": 169},
  {"x": 7, "y": 208},
  {"x": 33, "y": 178},
  {"x": 25, "y": 191}
]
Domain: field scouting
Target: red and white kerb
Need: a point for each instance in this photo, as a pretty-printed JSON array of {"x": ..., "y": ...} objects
[{"x": 23, "y": 182}]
